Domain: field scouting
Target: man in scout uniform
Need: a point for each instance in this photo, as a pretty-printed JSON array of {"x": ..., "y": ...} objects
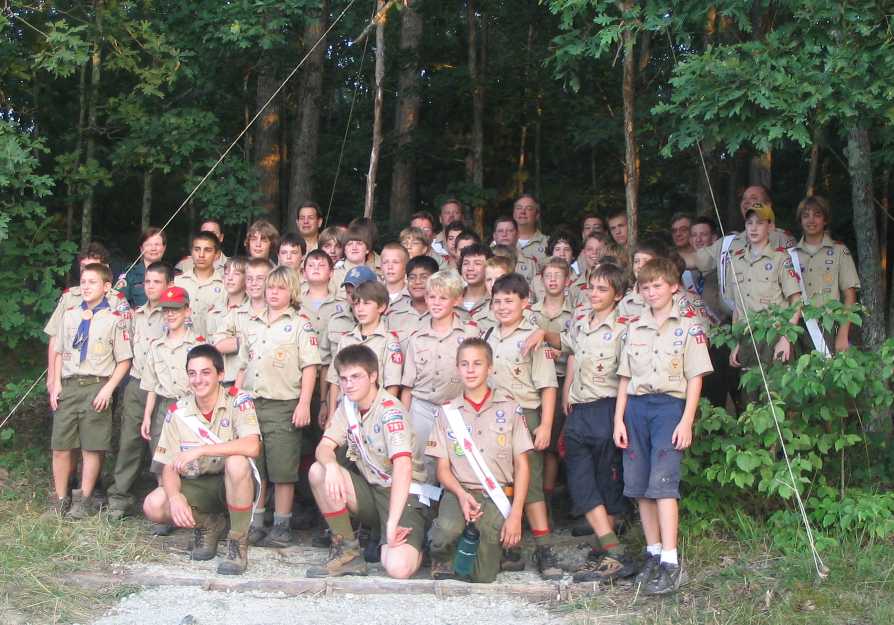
[
  {"x": 492, "y": 467},
  {"x": 208, "y": 439},
  {"x": 281, "y": 358},
  {"x": 408, "y": 314},
  {"x": 376, "y": 486},
  {"x": 451, "y": 211},
  {"x": 93, "y": 355},
  {"x": 660, "y": 373},
  {"x": 212, "y": 226},
  {"x": 146, "y": 325},
  {"x": 309, "y": 221},
  {"x": 531, "y": 242},
  {"x": 531, "y": 379},
  {"x": 203, "y": 283}
]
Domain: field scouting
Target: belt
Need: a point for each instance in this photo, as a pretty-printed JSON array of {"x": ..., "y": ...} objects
[
  {"x": 507, "y": 490},
  {"x": 85, "y": 380}
]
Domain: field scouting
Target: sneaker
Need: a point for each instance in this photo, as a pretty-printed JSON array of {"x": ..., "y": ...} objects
[
  {"x": 83, "y": 508},
  {"x": 611, "y": 566},
  {"x": 56, "y": 507},
  {"x": 279, "y": 537},
  {"x": 668, "y": 579},
  {"x": 648, "y": 571},
  {"x": 323, "y": 540},
  {"x": 161, "y": 529},
  {"x": 547, "y": 562},
  {"x": 210, "y": 528},
  {"x": 236, "y": 560},
  {"x": 345, "y": 558},
  {"x": 512, "y": 561},
  {"x": 256, "y": 533},
  {"x": 442, "y": 569}
]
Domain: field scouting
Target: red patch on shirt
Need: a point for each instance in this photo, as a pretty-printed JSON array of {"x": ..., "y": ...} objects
[
  {"x": 387, "y": 403},
  {"x": 395, "y": 426},
  {"x": 397, "y": 358},
  {"x": 313, "y": 340},
  {"x": 233, "y": 391}
]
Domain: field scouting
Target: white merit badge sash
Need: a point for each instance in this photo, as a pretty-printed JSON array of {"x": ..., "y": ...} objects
[
  {"x": 813, "y": 329},
  {"x": 722, "y": 264},
  {"x": 479, "y": 466}
]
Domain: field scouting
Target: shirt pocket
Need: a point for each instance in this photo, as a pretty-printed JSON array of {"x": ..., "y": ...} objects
[{"x": 500, "y": 441}]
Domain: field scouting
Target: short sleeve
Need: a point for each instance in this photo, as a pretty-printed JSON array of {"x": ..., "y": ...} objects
[
  {"x": 521, "y": 436},
  {"x": 337, "y": 428},
  {"x": 393, "y": 367},
  {"x": 148, "y": 379},
  {"x": 848, "y": 278},
  {"x": 168, "y": 443},
  {"x": 436, "y": 447},
  {"x": 245, "y": 417},
  {"x": 308, "y": 346},
  {"x": 543, "y": 369},
  {"x": 397, "y": 432},
  {"x": 624, "y": 356},
  {"x": 54, "y": 325},
  {"x": 121, "y": 345},
  {"x": 408, "y": 377},
  {"x": 696, "y": 360},
  {"x": 789, "y": 280}
]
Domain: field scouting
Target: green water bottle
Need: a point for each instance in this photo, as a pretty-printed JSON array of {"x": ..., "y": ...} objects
[{"x": 466, "y": 551}]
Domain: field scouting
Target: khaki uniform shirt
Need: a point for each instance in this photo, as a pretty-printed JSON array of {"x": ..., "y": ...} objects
[
  {"x": 663, "y": 360},
  {"x": 165, "y": 370},
  {"x": 828, "y": 270},
  {"x": 523, "y": 377},
  {"x": 341, "y": 323},
  {"x": 767, "y": 280},
  {"x": 430, "y": 363},
  {"x": 216, "y": 323},
  {"x": 597, "y": 351},
  {"x": 276, "y": 353},
  {"x": 527, "y": 267},
  {"x": 633, "y": 305},
  {"x": 499, "y": 432},
  {"x": 71, "y": 298},
  {"x": 535, "y": 248},
  {"x": 321, "y": 317},
  {"x": 403, "y": 319},
  {"x": 107, "y": 343},
  {"x": 233, "y": 417},
  {"x": 708, "y": 258},
  {"x": 145, "y": 326},
  {"x": 558, "y": 323},
  {"x": 203, "y": 296},
  {"x": 186, "y": 263},
  {"x": 387, "y": 434},
  {"x": 384, "y": 344},
  {"x": 480, "y": 314}
]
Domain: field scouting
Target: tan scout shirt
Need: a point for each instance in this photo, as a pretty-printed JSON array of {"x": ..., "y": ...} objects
[
  {"x": 597, "y": 350},
  {"x": 387, "y": 434},
  {"x": 828, "y": 270},
  {"x": 216, "y": 326},
  {"x": 766, "y": 280},
  {"x": 480, "y": 314},
  {"x": 663, "y": 360},
  {"x": 527, "y": 267},
  {"x": 498, "y": 430},
  {"x": 72, "y": 297},
  {"x": 341, "y": 323},
  {"x": 146, "y": 325},
  {"x": 203, "y": 296},
  {"x": 233, "y": 417},
  {"x": 321, "y": 316},
  {"x": 384, "y": 344},
  {"x": 689, "y": 304},
  {"x": 165, "y": 370},
  {"x": 535, "y": 248},
  {"x": 403, "y": 319},
  {"x": 107, "y": 343},
  {"x": 557, "y": 323},
  {"x": 277, "y": 352},
  {"x": 708, "y": 258},
  {"x": 186, "y": 263},
  {"x": 430, "y": 363},
  {"x": 516, "y": 375}
]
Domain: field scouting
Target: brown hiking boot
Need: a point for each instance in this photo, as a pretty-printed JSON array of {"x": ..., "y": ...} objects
[
  {"x": 56, "y": 508},
  {"x": 442, "y": 569},
  {"x": 210, "y": 528},
  {"x": 236, "y": 560},
  {"x": 83, "y": 507},
  {"x": 345, "y": 558}
]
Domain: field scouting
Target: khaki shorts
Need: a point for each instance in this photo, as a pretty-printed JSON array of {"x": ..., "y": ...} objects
[
  {"x": 535, "y": 459},
  {"x": 281, "y": 448},
  {"x": 372, "y": 509},
  {"x": 76, "y": 425},
  {"x": 206, "y": 493}
]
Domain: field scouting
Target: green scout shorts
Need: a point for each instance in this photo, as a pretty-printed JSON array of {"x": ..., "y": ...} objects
[
  {"x": 535, "y": 459},
  {"x": 281, "y": 448},
  {"x": 205, "y": 493},
  {"x": 372, "y": 509},
  {"x": 76, "y": 425},
  {"x": 449, "y": 525}
]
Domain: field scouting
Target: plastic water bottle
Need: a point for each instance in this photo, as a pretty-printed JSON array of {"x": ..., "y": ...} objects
[{"x": 467, "y": 551}]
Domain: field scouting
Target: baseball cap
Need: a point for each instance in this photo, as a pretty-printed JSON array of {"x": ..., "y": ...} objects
[
  {"x": 174, "y": 297},
  {"x": 359, "y": 275},
  {"x": 763, "y": 211}
]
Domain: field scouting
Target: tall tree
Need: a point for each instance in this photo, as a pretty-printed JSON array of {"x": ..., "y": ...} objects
[
  {"x": 92, "y": 120},
  {"x": 267, "y": 148},
  {"x": 378, "y": 106},
  {"x": 475, "y": 156},
  {"x": 631, "y": 148}
]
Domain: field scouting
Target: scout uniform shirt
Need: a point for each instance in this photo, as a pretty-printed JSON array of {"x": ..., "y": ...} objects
[
  {"x": 430, "y": 362},
  {"x": 708, "y": 258},
  {"x": 497, "y": 428},
  {"x": 766, "y": 280},
  {"x": 107, "y": 342},
  {"x": 233, "y": 417},
  {"x": 320, "y": 315},
  {"x": 387, "y": 434},
  {"x": 535, "y": 247},
  {"x": 663, "y": 360},
  {"x": 517, "y": 375},
  {"x": 186, "y": 263},
  {"x": 597, "y": 351},
  {"x": 828, "y": 270},
  {"x": 71, "y": 298},
  {"x": 479, "y": 313},
  {"x": 218, "y": 319},
  {"x": 402, "y": 319},
  {"x": 385, "y": 345},
  {"x": 558, "y": 323},
  {"x": 146, "y": 325},
  {"x": 203, "y": 296},
  {"x": 164, "y": 372},
  {"x": 276, "y": 353},
  {"x": 527, "y": 266},
  {"x": 340, "y": 323},
  {"x": 688, "y": 304}
]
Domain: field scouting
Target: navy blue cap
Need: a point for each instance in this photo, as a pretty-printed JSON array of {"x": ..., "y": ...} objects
[{"x": 359, "y": 275}]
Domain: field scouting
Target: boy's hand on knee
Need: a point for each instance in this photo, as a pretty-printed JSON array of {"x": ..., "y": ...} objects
[
  {"x": 335, "y": 488},
  {"x": 620, "y": 435},
  {"x": 181, "y": 512},
  {"x": 542, "y": 436},
  {"x": 510, "y": 534},
  {"x": 395, "y": 534},
  {"x": 682, "y": 436},
  {"x": 471, "y": 508}
]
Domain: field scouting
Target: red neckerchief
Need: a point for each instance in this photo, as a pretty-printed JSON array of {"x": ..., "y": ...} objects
[
  {"x": 478, "y": 405},
  {"x": 208, "y": 415}
]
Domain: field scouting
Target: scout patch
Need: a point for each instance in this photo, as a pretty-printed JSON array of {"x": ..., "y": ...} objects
[
  {"x": 678, "y": 332},
  {"x": 395, "y": 426},
  {"x": 828, "y": 278},
  {"x": 698, "y": 334},
  {"x": 224, "y": 423},
  {"x": 501, "y": 440},
  {"x": 287, "y": 329},
  {"x": 769, "y": 266},
  {"x": 607, "y": 336}
]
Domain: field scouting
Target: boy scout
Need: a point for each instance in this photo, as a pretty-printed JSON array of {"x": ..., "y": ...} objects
[
  {"x": 375, "y": 488},
  {"x": 495, "y": 426},
  {"x": 330, "y": 242},
  {"x": 660, "y": 373},
  {"x": 203, "y": 283},
  {"x": 291, "y": 252},
  {"x": 281, "y": 358},
  {"x": 417, "y": 244},
  {"x": 826, "y": 266},
  {"x": 476, "y": 298},
  {"x": 592, "y": 461},
  {"x": 212, "y": 226},
  {"x": 208, "y": 439},
  {"x": 343, "y": 320},
  {"x": 93, "y": 355},
  {"x": 261, "y": 240},
  {"x": 428, "y": 378},
  {"x": 236, "y": 304},
  {"x": 146, "y": 325},
  {"x": 408, "y": 314},
  {"x": 495, "y": 268},
  {"x": 531, "y": 379},
  {"x": 394, "y": 271}
]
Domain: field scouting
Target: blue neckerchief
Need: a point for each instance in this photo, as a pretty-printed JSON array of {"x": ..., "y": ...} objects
[{"x": 83, "y": 334}]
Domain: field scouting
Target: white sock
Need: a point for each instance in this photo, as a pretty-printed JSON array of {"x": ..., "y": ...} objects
[
  {"x": 669, "y": 556},
  {"x": 654, "y": 550}
]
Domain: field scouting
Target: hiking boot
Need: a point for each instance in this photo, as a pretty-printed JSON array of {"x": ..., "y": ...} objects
[
  {"x": 345, "y": 558},
  {"x": 611, "y": 566},
  {"x": 323, "y": 540},
  {"x": 650, "y": 568},
  {"x": 668, "y": 579},
  {"x": 512, "y": 560},
  {"x": 83, "y": 508},
  {"x": 161, "y": 529},
  {"x": 210, "y": 528},
  {"x": 279, "y": 537},
  {"x": 547, "y": 563},
  {"x": 372, "y": 552},
  {"x": 236, "y": 560},
  {"x": 442, "y": 569},
  {"x": 56, "y": 507},
  {"x": 256, "y": 533}
]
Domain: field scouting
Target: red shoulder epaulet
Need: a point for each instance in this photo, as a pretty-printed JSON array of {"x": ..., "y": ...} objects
[
  {"x": 621, "y": 319},
  {"x": 172, "y": 407},
  {"x": 116, "y": 313},
  {"x": 387, "y": 403},
  {"x": 303, "y": 316},
  {"x": 66, "y": 290},
  {"x": 233, "y": 391},
  {"x": 780, "y": 249},
  {"x": 200, "y": 338},
  {"x": 119, "y": 294},
  {"x": 581, "y": 316},
  {"x": 396, "y": 335},
  {"x": 689, "y": 313},
  {"x": 472, "y": 323}
]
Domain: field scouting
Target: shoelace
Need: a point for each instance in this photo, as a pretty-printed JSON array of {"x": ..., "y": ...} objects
[
  {"x": 233, "y": 549},
  {"x": 200, "y": 537}
]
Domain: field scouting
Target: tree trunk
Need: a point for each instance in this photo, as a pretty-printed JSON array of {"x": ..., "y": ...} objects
[
  {"x": 378, "y": 105},
  {"x": 760, "y": 169},
  {"x": 268, "y": 152},
  {"x": 521, "y": 174},
  {"x": 631, "y": 149},
  {"x": 475, "y": 158},
  {"x": 859, "y": 151},
  {"x": 403, "y": 177},
  {"x": 146, "y": 208},
  {"x": 79, "y": 147},
  {"x": 813, "y": 170},
  {"x": 306, "y": 134},
  {"x": 704, "y": 206},
  {"x": 95, "y": 76}
]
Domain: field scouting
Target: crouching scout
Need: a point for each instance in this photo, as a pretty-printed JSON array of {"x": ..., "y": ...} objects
[
  {"x": 206, "y": 443},
  {"x": 481, "y": 442},
  {"x": 382, "y": 476}
]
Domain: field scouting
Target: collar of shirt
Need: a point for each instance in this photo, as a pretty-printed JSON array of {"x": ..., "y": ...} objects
[
  {"x": 526, "y": 325},
  {"x": 190, "y": 406},
  {"x": 290, "y": 313},
  {"x": 190, "y": 274},
  {"x": 538, "y": 307},
  {"x": 379, "y": 331},
  {"x": 646, "y": 320},
  {"x": 826, "y": 242},
  {"x": 610, "y": 321},
  {"x": 425, "y": 329}
]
